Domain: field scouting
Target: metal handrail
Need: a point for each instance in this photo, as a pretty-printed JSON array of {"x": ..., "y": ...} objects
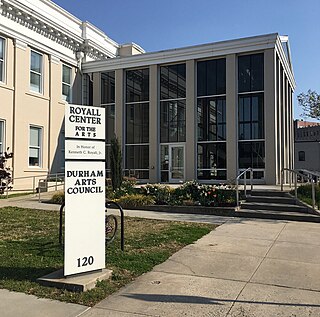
[
  {"x": 309, "y": 177},
  {"x": 245, "y": 183},
  {"x": 33, "y": 177}
]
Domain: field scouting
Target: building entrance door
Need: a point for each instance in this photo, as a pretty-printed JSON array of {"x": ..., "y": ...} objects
[{"x": 172, "y": 163}]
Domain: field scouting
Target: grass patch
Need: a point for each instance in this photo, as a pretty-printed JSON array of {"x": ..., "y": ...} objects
[
  {"x": 29, "y": 249},
  {"x": 305, "y": 194}
]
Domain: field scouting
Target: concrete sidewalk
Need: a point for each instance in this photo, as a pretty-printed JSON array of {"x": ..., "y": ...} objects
[
  {"x": 248, "y": 268},
  {"x": 243, "y": 268}
]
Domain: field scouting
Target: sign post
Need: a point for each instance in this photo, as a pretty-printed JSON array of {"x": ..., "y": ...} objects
[{"x": 84, "y": 189}]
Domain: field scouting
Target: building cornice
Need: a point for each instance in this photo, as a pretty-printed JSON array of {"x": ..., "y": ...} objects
[
  {"x": 238, "y": 46},
  {"x": 45, "y": 26},
  {"x": 285, "y": 63}
]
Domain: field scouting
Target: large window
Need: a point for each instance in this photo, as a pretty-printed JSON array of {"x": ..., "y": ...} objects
[
  {"x": 250, "y": 73},
  {"x": 173, "y": 103},
  {"x": 35, "y": 144},
  {"x": 211, "y": 119},
  {"x": 2, "y": 145},
  {"x": 251, "y": 126},
  {"x": 66, "y": 83},
  {"x": 137, "y": 123},
  {"x": 2, "y": 58},
  {"x": 108, "y": 102},
  {"x": 36, "y": 72}
]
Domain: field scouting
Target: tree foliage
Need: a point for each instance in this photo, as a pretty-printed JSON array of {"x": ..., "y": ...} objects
[
  {"x": 5, "y": 174},
  {"x": 116, "y": 164},
  {"x": 310, "y": 103}
]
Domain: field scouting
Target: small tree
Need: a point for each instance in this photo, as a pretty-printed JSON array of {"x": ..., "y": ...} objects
[
  {"x": 5, "y": 175},
  {"x": 116, "y": 164},
  {"x": 310, "y": 103}
]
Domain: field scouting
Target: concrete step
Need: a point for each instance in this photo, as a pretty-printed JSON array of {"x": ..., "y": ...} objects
[
  {"x": 273, "y": 206},
  {"x": 271, "y": 199},
  {"x": 277, "y": 215},
  {"x": 269, "y": 193}
]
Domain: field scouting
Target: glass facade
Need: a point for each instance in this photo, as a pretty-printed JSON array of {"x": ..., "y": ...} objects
[
  {"x": 108, "y": 102},
  {"x": 2, "y": 55},
  {"x": 172, "y": 121},
  {"x": 137, "y": 123},
  {"x": 251, "y": 146},
  {"x": 36, "y": 72},
  {"x": 211, "y": 120}
]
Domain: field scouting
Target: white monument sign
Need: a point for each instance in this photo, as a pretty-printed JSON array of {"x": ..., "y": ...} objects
[{"x": 84, "y": 189}]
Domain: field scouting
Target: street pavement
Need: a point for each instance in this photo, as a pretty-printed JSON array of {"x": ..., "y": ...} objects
[{"x": 244, "y": 268}]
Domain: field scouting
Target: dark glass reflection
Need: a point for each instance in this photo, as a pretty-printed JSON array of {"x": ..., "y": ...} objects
[
  {"x": 251, "y": 73},
  {"x": 211, "y": 77},
  {"x": 173, "y": 121},
  {"x": 137, "y": 85},
  {"x": 108, "y": 87},
  {"x": 137, "y": 123},
  {"x": 251, "y": 117},
  {"x": 137, "y": 159},
  {"x": 251, "y": 154},
  {"x": 173, "y": 81},
  {"x": 110, "y": 119},
  {"x": 211, "y": 119},
  {"x": 211, "y": 158}
]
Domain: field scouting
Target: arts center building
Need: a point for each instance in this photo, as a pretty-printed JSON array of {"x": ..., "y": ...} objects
[{"x": 202, "y": 112}]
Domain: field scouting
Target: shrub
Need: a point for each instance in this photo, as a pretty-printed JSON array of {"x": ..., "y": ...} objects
[
  {"x": 115, "y": 164},
  {"x": 160, "y": 193},
  {"x": 135, "y": 200},
  {"x": 127, "y": 188},
  {"x": 58, "y": 198},
  {"x": 305, "y": 193}
]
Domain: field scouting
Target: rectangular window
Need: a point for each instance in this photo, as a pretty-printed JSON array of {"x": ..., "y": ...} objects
[
  {"x": 302, "y": 156},
  {"x": 35, "y": 140},
  {"x": 251, "y": 117},
  {"x": 250, "y": 73},
  {"x": 108, "y": 88},
  {"x": 2, "y": 56},
  {"x": 173, "y": 81},
  {"x": 137, "y": 85},
  {"x": 66, "y": 83},
  {"x": 137, "y": 124},
  {"x": 173, "y": 121},
  {"x": 211, "y": 120},
  {"x": 36, "y": 72},
  {"x": 2, "y": 145},
  {"x": 211, "y": 77}
]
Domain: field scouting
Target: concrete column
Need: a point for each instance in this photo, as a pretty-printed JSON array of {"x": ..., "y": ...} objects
[
  {"x": 96, "y": 89},
  {"x": 119, "y": 106},
  {"x": 232, "y": 116},
  {"x": 270, "y": 116},
  {"x": 191, "y": 141},
  {"x": 153, "y": 125}
]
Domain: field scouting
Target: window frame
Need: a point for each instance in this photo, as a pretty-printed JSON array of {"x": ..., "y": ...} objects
[
  {"x": 36, "y": 73},
  {"x": 40, "y": 147},
  {"x": 3, "y": 60},
  {"x": 64, "y": 97},
  {"x": 2, "y": 142},
  {"x": 302, "y": 156}
]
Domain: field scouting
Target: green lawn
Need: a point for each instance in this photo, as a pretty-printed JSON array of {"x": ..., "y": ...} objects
[{"x": 29, "y": 249}]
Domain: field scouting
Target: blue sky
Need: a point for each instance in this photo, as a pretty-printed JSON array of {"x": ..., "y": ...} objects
[{"x": 163, "y": 24}]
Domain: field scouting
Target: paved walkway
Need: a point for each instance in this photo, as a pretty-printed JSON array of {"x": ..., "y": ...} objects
[{"x": 244, "y": 268}]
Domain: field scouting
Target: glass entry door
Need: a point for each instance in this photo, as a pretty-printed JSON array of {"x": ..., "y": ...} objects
[
  {"x": 172, "y": 163},
  {"x": 176, "y": 167}
]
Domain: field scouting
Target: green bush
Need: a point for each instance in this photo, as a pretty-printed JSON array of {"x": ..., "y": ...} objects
[
  {"x": 305, "y": 194},
  {"x": 160, "y": 193},
  {"x": 203, "y": 194},
  {"x": 135, "y": 200},
  {"x": 58, "y": 198}
]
